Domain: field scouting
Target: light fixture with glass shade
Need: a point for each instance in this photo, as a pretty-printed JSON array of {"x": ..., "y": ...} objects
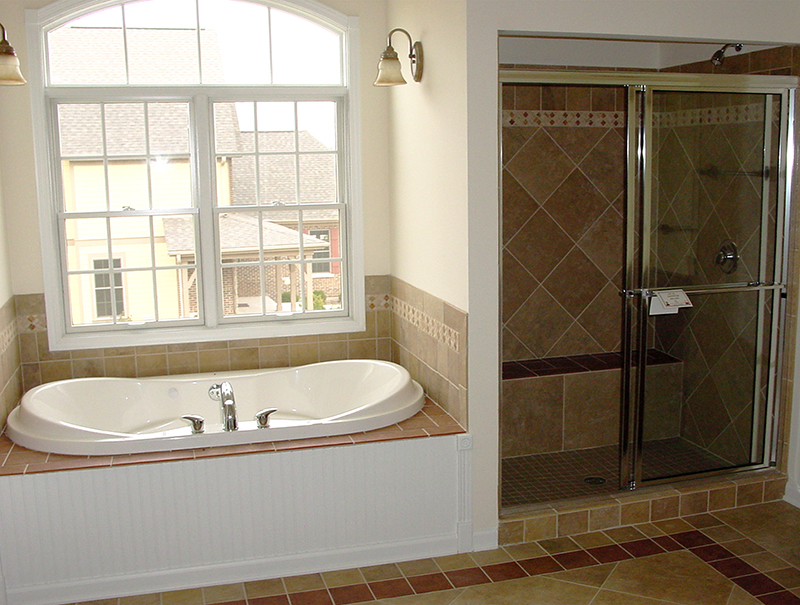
[
  {"x": 9, "y": 63},
  {"x": 389, "y": 71}
]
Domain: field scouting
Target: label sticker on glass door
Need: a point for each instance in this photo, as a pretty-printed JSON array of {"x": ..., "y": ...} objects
[{"x": 668, "y": 302}]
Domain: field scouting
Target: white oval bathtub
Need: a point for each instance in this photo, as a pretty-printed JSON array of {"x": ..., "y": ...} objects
[{"x": 109, "y": 416}]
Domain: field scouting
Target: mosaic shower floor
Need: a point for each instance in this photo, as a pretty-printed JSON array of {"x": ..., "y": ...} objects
[{"x": 590, "y": 472}]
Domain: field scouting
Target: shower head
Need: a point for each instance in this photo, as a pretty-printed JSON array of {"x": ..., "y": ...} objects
[{"x": 718, "y": 57}]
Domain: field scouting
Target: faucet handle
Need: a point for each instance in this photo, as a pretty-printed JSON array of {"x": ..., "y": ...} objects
[
  {"x": 215, "y": 392},
  {"x": 197, "y": 422},
  {"x": 262, "y": 417}
]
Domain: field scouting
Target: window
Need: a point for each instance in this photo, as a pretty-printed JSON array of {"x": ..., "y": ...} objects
[
  {"x": 210, "y": 144},
  {"x": 109, "y": 301},
  {"x": 325, "y": 236}
]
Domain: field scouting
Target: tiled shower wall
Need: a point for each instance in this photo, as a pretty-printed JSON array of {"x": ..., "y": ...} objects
[
  {"x": 404, "y": 324},
  {"x": 775, "y": 61},
  {"x": 562, "y": 261},
  {"x": 711, "y": 150},
  {"x": 562, "y": 220}
]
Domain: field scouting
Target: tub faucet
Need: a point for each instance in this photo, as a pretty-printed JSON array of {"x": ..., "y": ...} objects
[{"x": 223, "y": 393}]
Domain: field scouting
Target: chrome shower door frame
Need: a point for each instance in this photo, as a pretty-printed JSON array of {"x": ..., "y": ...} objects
[{"x": 637, "y": 289}]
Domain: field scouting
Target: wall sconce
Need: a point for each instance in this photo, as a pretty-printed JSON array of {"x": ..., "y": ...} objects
[
  {"x": 9, "y": 64},
  {"x": 389, "y": 72}
]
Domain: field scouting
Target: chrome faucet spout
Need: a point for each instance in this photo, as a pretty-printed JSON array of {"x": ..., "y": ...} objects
[{"x": 223, "y": 393}]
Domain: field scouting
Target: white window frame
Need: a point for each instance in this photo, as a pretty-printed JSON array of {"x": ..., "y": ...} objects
[{"x": 43, "y": 99}]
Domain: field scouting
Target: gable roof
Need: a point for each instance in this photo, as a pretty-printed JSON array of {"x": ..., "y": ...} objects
[{"x": 238, "y": 233}]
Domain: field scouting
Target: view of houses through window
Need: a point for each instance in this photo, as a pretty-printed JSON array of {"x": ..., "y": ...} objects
[{"x": 161, "y": 184}]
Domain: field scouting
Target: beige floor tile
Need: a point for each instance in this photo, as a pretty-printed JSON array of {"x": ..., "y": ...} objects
[
  {"x": 788, "y": 577},
  {"x": 673, "y": 526},
  {"x": 559, "y": 545},
  {"x": 518, "y": 552},
  {"x": 538, "y": 590},
  {"x": 587, "y": 576},
  {"x": 624, "y": 534},
  {"x": 312, "y": 581},
  {"x": 143, "y": 599},
  {"x": 592, "y": 539},
  {"x": 376, "y": 573},
  {"x": 344, "y": 577},
  {"x": 264, "y": 588},
  {"x": 446, "y": 597},
  {"x": 774, "y": 525},
  {"x": 649, "y": 530},
  {"x": 745, "y": 546},
  {"x": 99, "y": 602},
  {"x": 609, "y": 597},
  {"x": 723, "y": 533},
  {"x": 418, "y": 567},
  {"x": 678, "y": 577},
  {"x": 223, "y": 594},
  {"x": 190, "y": 596},
  {"x": 765, "y": 561},
  {"x": 460, "y": 561},
  {"x": 739, "y": 596},
  {"x": 491, "y": 557},
  {"x": 790, "y": 555}
]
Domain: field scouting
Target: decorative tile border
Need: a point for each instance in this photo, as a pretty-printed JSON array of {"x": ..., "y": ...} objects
[
  {"x": 31, "y": 323},
  {"x": 379, "y": 302},
  {"x": 8, "y": 336},
  {"x": 571, "y": 119},
  {"x": 734, "y": 114},
  {"x": 427, "y": 324}
]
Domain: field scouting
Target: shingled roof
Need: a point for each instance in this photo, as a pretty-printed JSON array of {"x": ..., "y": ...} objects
[{"x": 238, "y": 234}]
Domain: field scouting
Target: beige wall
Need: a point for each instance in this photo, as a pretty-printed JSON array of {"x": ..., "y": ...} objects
[
  {"x": 5, "y": 270},
  {"x": 428, "y": 152}
]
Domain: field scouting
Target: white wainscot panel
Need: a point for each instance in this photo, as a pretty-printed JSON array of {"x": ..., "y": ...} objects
[{"x": 89, "y": 534}]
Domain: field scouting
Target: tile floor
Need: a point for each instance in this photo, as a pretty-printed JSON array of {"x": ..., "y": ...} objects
[
  {"x": 749, "y": 555},
  {"x": 562, "y": 475}
]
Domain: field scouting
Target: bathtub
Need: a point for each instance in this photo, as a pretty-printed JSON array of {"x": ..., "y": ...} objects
[{"x": 110, "y": 416}]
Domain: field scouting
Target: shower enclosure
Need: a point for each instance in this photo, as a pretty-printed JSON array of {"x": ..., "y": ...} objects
[{"x": 623, "y": 193}]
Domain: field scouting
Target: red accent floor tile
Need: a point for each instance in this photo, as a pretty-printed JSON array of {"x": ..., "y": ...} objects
[
  {"x": 504, "y": 571},
  {"x": 540, "y": 565},
  {"x": 280, "y": 599},
  {"x": 758, "y": 584},
  {"x": 642, "y": 548},
  {"x": 690, "y": 539},
  {"x": 429, "y": 583},
  {"x": 467, "y": 577},
  {"x": 780, "y": 598},
  {"x": 355, "y": 593},
  {"x": 609, "y": 554},
  {"x": 388, "y": 589},
  {"x": 311, "y": 597},
  {"x": 712, "y": 552},
  {"x": 667, "y": 543},
  {"x": 575, "y": 559},
  {"x": 733, "y": 568}
]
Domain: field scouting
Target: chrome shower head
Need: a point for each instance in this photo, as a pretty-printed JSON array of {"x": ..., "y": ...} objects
[{"x": 718, "y": 57}]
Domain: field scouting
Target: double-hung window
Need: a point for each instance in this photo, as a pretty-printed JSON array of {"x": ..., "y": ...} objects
[{"x": 197, "y": 159}]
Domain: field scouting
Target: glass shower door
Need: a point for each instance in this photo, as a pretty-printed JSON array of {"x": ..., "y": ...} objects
[{"x": 710, "y": 226}]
